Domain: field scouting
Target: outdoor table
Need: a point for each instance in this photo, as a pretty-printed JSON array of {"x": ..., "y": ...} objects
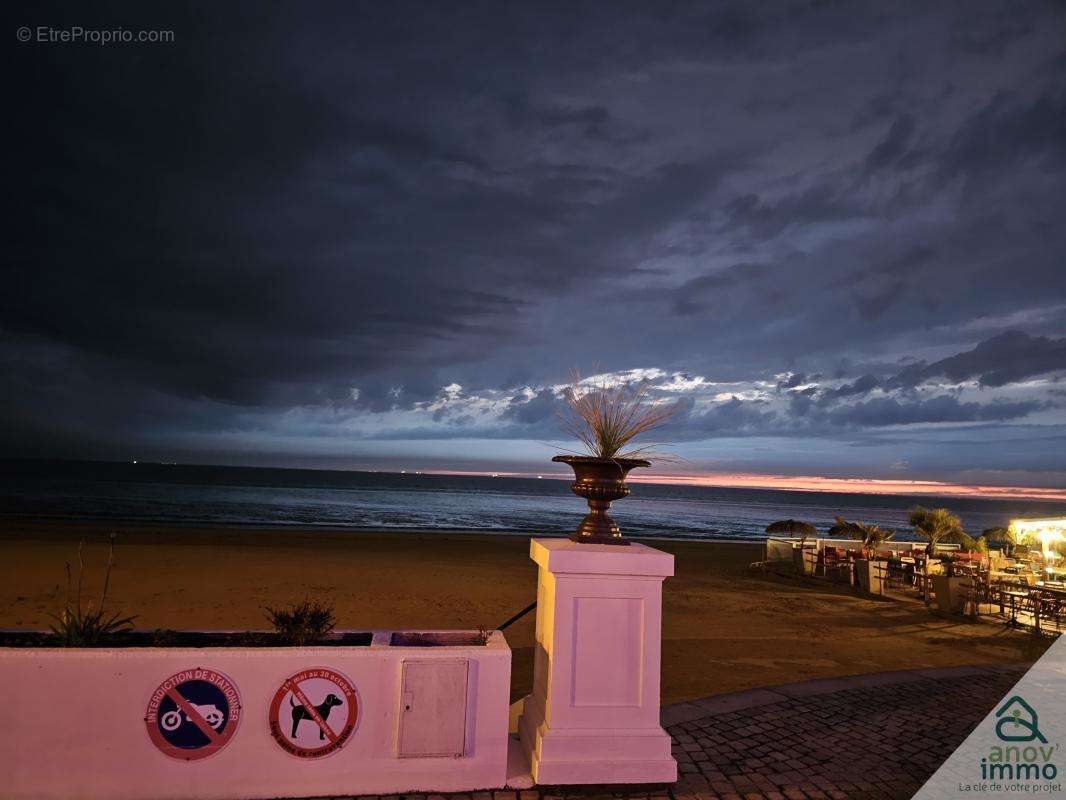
[
  {"x": 909, "y": 568},
  {"x": 1012, "y": 621},
  {"x": 1011, "y": 578},
  {"x": 1008, "y": 570}
]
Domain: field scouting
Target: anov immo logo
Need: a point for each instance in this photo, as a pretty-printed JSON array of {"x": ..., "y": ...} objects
[
  {"x": 1014, "y": 752},
  {"x": 1023, "y": 752}
]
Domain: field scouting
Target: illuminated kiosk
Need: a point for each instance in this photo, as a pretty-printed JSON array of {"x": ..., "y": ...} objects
[
  {"x": 593, "y": 716},
  {"x": 1049, "y": 533}
]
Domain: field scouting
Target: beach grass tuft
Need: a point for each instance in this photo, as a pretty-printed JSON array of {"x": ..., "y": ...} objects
[
  {"x": 605, "y": 417},
  {"x": 88, "y": 626},
  {"x": 301, "y": 622}
]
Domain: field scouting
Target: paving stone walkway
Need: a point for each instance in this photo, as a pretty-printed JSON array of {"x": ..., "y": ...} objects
[
  {"x": 871, "y": 736},
  {"x": 868, "y": 737}
]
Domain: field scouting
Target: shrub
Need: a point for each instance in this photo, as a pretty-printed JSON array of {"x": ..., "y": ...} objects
[
  {"x": 302, "y": 622},
  {"x": 77, "y": 626}
]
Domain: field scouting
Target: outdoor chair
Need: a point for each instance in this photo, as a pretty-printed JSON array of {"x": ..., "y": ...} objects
[
  {"x": 1054, "y": 607},
  {"x": 1048, "y": 606},
  {"x": 972, "y": 591},
  {"x": 986, "y": 594},
  {"x": 831, "y": 556},
  {"x": 995, "y": 594},
  {"x": 924, "y": 585},
  {"x": 897, "y": 573},
  {"x": 1028, "y": 602}
]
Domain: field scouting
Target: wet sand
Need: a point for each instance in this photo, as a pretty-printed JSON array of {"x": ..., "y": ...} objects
[{"x": 724, "y": 628}]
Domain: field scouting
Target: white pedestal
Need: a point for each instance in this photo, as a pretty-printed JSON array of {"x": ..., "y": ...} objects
[{"x": 593, "y": 716}]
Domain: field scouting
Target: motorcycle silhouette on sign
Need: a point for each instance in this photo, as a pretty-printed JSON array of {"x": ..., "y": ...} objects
[{"x": 172, "y": 720}]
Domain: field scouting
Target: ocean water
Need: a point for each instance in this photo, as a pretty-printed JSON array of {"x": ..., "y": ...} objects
[{"x": 337, "y": 499}]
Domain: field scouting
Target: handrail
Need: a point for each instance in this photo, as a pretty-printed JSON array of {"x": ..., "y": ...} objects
[{"x": 518, "y": 616}]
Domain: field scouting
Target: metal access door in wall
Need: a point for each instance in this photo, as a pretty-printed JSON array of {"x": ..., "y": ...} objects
[{"x": 433, "y": 708}]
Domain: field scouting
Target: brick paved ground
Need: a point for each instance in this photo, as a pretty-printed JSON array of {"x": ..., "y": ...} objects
[
  {"x": 875, "y": 736},
  {"x": 869, "y": 737}
]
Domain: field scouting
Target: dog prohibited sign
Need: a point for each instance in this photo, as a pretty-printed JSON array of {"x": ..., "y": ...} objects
[
  {"x": 314, "y": 713},
  {"x": 193, "y": 713}
]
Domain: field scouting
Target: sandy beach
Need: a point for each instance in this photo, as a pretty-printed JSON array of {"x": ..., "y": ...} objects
[{"x": 724, "y": 628}]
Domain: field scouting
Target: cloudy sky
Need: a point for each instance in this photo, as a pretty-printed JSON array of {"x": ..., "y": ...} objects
[{"x": 383, "y": 234}]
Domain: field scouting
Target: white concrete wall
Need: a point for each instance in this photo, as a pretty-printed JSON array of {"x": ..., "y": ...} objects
[{"x": 75, "y": 723}]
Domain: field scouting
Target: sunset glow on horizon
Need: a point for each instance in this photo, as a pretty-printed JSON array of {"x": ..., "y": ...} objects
[
  {"x": 809, "y": 483},
  {"x": 815, "y": 483}
]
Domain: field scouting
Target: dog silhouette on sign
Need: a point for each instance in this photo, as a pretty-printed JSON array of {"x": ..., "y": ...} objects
[{"x": 299, "y": 713}]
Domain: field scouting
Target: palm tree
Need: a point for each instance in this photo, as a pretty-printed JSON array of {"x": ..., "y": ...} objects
[
  {"x": 842, "y": 529},
  {"x": 1006, "y": 536},
  {"x": 793, "y": 527},
  {"x": 936, "y": 525},
  {"x": 871, "y": 535},
  {"x": 939, "y": 526}
]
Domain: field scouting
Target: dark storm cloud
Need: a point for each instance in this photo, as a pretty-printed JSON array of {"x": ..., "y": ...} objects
[
  {"x": 890, "y": 149},
  {"x": 703, "y": 292},
  {"x": 300, "y": 224},
  {"x": 543, "y": 406},
  {"x": 1007, "y": 358},
  {"x": 863, "y": 385},
  {"x": 734, "y": 416},
  {"x": 1010, "y": 131},
  {"x": 793, "y": 380},
  {"x": 942, "y": 408},
  {"x": 761, "y": 219}
]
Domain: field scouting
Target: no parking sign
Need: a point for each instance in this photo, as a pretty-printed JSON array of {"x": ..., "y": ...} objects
[
  {"x": 314, "y": 713},
  {"x": 193, "y": 714}
]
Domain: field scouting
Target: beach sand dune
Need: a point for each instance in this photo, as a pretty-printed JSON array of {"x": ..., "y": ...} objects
[{"x": 723, "y": 629}]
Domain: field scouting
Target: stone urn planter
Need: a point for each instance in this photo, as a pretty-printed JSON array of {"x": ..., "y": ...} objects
[{"x": 600, "y": 481}]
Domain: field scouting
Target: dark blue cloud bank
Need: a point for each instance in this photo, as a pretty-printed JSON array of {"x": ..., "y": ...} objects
[{"x": 381, "y": 235}]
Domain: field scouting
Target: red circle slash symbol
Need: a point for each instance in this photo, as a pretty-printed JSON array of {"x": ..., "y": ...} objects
[
  {"x": 193, "y": 714},
  {"x": 314, "y": 713}
]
